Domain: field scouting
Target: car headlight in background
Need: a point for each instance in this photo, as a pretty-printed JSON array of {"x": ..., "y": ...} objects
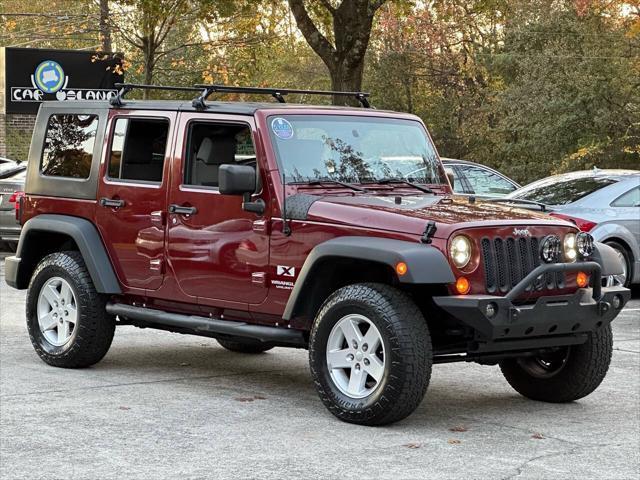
[
  {"x": 460, "y": 251},
  {"x": 570, "y": 251},
  {"x": 584, "y": 244}
]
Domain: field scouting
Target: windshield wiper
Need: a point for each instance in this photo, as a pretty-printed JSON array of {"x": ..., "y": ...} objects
[
  {"x": 329, "y": 181},
  {"x": 387, "y": 181},
  {"x": 542, "y": 206}
]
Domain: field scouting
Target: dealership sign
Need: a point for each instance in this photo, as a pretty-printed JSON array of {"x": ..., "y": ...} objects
[{"x": 33, "y": 75}]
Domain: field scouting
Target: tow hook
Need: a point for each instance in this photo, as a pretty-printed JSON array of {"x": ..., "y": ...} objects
[{"x": 603, "y": 307}]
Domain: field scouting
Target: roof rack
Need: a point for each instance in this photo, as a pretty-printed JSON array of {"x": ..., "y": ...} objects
[
  {"x": 277, "y": 93},
  {"x": 124, "y": 88},
  {"x": 200, "y": 101}
]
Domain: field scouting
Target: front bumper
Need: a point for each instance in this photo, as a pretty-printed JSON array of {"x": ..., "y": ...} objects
[{"x": 500, "y": 324}]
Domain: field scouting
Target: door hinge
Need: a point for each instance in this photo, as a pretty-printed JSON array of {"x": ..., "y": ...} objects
[
  {"x": 156, "y": 265},
  {"x": 259, "y": 278},
  {"x": 158, "y": 218},
  {"x": 260, "y": 226}
]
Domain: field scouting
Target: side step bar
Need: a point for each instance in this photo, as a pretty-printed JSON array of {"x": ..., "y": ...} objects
[{"x": 213, "y": 326}]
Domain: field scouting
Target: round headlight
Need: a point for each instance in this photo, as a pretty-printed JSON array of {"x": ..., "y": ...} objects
[
  {"x": 584, "y": 244},
  {"x": 550, "y": 249},
  {"x": 460, "y": 251},
  {"x": 570, "y": 252}
]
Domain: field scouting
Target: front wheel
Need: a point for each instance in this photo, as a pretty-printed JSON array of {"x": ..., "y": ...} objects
[
  {"x": 565, "y": 374},
  {"x": 370, "y": 354}
]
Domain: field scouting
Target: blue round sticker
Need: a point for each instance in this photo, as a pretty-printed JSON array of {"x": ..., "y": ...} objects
[
  {"x": 282, "y": 128},
  {"x": 49, "y": 76}
]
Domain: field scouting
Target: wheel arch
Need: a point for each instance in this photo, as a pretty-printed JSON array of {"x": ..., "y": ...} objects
[
  {"x": 346, "y": 260},
  {"x": 48, "y": 233}
]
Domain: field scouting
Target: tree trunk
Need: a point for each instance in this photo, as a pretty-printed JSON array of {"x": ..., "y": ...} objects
[
  {"x": 346, "y": 78},
  {"x": 105, "y": 29}
]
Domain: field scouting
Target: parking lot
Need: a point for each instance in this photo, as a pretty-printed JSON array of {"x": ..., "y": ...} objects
[{"x": 164, "y": 405}]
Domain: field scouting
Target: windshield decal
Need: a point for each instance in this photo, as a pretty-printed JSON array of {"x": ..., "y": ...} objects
[{"x": 282, "y": 128}]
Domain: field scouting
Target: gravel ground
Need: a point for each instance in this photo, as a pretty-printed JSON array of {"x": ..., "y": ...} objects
[{"x": 163, "y": 405}]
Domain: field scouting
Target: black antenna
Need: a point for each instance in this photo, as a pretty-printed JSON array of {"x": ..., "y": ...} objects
[{"x": 286, "y": 228}]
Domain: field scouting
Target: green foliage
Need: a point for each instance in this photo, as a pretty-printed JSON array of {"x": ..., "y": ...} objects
[{"x": 531, "y": 87}]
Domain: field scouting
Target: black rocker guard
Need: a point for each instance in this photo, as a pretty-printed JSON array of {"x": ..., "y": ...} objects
[{"x": 549, "y": 322}]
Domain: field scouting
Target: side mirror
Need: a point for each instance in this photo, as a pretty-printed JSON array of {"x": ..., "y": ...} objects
[
  {"x": 449, "y": 173},
  {"x": 240, "y": 180},
  {"x": 236, "y": 179}
]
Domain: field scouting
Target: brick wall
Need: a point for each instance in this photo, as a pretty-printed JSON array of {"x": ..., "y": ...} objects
[{"x": 15, "y": 135}]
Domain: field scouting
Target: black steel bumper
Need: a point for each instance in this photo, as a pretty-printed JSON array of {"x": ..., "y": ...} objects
[{"x": 501, "y": 325}]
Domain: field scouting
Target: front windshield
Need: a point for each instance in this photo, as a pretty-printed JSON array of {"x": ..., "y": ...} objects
[{"x": 353, "y": 149}]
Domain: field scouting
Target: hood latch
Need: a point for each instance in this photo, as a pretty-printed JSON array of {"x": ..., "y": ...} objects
[{"x": 429, "y": 232}]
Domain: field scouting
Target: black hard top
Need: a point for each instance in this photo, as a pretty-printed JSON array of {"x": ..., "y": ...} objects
[{"x": 236, "y": 108}]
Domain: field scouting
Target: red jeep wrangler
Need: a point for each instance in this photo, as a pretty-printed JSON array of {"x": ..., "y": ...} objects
[{"x": 332, "y": 229}]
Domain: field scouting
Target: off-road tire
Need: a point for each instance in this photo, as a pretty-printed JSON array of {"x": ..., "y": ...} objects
[
  {"x": 584, "y": 370},
  {"x": 408, "y": 353},
  {"x": 244, "y": 347},
  {"x": 94, "y": 330}
]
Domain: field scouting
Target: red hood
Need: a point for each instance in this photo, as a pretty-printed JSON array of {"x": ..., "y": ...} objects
[{"x": 382, "y": 212}]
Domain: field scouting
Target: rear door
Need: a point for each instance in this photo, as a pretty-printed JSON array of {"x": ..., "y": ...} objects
[
  {"x": 218, "y": 252},
  {"x": 132, "y": 195}
]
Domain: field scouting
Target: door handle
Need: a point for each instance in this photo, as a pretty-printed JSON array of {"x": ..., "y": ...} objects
[
  {"x": 111, "y": 202},
  {"x": 180, "y": 210}
]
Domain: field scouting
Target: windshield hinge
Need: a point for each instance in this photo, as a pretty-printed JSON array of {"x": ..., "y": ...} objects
[{"x": 429, "y": 232}]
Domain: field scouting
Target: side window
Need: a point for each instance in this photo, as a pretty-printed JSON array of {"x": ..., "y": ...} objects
[
  {"x": 138, "y": 149},
  {"x": 68, "y": 146},
  {"x": 629, "y": 199},
  {"x": 212, "y": 145},
  {"x": 459, "y": 184},
  {"x": 485, "y": 182}
]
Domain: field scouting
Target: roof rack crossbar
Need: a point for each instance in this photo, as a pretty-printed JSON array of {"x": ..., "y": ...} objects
[
  {"x": 277, "y": 93},
  {"x": 124, "y": 88}
]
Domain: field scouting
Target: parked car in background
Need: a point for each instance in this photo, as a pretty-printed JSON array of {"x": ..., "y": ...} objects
[
  {"x": 605, "y": 203},
  {"x": 12, "y": 177},
  {"x": 471, "y": 178}
]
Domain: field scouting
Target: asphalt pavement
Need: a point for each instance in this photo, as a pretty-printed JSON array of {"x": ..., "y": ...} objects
[{"x": 163, "y": 405}]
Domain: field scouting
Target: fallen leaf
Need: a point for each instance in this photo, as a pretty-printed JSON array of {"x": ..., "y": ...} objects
[
  {"x": 185, "y": 364},
  {"x": 259, "y": 397},
  {"x": 412, "y": 445},
  {"x": 458, "y": 428},
  {"x": 124, "y": 408},
  {"x": 244, "y": 399},
  {"x": 453, "y": 441},
  {"x": 537, "y": 436}
]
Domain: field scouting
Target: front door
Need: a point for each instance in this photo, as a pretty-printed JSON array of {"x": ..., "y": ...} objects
[
  {"x": 217, "y": 251},
  {"x": 132, "y": 196}
]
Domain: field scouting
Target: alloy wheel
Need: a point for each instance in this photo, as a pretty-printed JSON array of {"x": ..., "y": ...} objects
[{"x": 57, "y": 311}]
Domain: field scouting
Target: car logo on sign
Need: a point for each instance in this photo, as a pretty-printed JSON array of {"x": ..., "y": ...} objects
[{"x": 521, "y": 232}]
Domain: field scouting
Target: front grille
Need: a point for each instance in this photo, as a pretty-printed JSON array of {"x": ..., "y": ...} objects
[{"x": 506, "y": 261}]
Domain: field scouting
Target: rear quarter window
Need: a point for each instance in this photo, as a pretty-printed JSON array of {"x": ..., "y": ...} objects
[
  {"x": 564, "y": 192},
  {"x": 68, "y": 145}
]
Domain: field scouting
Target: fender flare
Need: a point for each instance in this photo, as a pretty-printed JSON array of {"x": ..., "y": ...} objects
[
  {"x": 86, "y": 237},
  {"x": 427, "y": 264},
  {"x": 608, "y": 259}
]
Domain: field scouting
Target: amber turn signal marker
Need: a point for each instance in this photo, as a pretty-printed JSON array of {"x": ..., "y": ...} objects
[
  {"x": 463, "y": 286},
  {"x": 401, "y": 268},
  {"x": 582, "y": 279}
]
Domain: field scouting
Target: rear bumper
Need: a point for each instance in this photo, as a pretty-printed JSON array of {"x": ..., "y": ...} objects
[{"x": 499, "y": 324}]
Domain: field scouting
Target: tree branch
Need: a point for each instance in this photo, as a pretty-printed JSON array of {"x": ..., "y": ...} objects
[{"x": 316, "y": 40}]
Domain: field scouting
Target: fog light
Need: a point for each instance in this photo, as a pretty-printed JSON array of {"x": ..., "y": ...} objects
[
  {"x": 490, "y": 310},
  {"x": 463, "y": 286},
  {"x": 616, "y": 302},
  {"x": 584, "y": 244},
  {"x": 582, "y": 279}
]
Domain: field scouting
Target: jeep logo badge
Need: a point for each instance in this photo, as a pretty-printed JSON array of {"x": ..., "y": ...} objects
[{"x": 521, "y": 232}]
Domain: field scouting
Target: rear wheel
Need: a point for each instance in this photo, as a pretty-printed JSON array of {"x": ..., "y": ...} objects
[
  {"x": 66, "y": 318},
  {"x": 244, "y": 347},
  {"x": 565, "y": 374},
  {"x": 370, "y": 354}
]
